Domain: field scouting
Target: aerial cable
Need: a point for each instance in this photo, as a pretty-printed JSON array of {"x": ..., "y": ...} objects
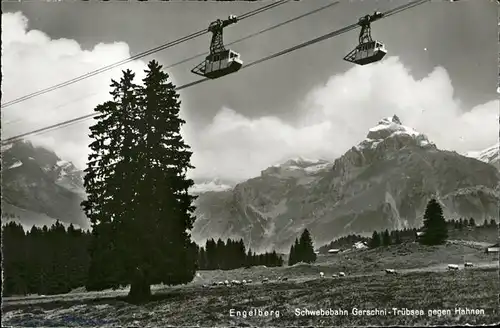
[
  {"x": 190, "y": 84},
  {"x": 65, "y": 104},
  {"x": 233, "y": 42},
  {"x": 316, "y": 40},
  {"x": 135, "y": 57},
  {"x": 257, "y": 33}
]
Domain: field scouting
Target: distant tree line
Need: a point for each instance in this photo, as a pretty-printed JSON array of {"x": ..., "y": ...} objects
[
  {"x": 386, "y": 238},
  {"x": 7, "y": 215},
  {"x": 232, "y": 255},
  {"x": 43, "y": 260},
  {"x": 434, "y": 231},
  {"x": 302, "y": 250},
  {"x": 56, "y": 259},
  {"x": 466, "y": 223}
]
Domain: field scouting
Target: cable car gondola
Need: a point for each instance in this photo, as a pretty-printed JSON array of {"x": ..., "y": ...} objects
[
  {"x": 368, "y": 50},
  {"x": 220, "y": 61}
]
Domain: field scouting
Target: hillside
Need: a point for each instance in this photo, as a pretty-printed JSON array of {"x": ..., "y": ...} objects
[
  {"x": 490, "y": 155},
  {"x": 39, "y": 188}
]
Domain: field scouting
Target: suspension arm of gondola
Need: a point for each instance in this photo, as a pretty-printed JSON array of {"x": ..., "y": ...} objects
[
  {"x": 365, "y": 23},
  {"x": 217, "y": 27}
]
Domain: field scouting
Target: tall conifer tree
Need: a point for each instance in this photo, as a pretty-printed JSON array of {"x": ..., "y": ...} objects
[
  {"x": 435, "y": 228},
  {"x": 139, "y": 204}
]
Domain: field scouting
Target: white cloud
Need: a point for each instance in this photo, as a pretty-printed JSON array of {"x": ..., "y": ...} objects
[
  {"x": 335, "y": 117},
  {"x": 32, "y": 61}
]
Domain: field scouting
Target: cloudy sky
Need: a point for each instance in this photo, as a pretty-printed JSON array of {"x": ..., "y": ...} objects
[{"x": 440, "y": 76}]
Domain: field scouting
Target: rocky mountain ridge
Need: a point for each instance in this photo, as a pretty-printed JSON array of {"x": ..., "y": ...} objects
[
  {"x": 383, "y": 182},
  {"x": 39, "y": 188},
  {"x": 490, "y": 155}
]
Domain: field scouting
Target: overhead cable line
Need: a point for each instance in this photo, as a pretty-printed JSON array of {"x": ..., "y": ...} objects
[
  {"x": 302, "y": 45},
  {"x": 257, "y": 33},
  {"x": 135, "y": 57},
  {"x": 236, "y": 41}
]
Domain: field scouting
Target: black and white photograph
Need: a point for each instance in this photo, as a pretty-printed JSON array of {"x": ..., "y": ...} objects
[{"x": 269, "y": 163}]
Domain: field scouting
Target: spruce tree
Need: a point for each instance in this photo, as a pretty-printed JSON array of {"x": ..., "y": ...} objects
[
  {"x": 202, "y": 261},
  {"x": 211, "y": 256},
  {"x": 14, "y": 262},
  {"x": 397, "y": 237},
  {"x": 291, "y": 255},
  {"x": 386, "y": 238},
  {"x": 292, "y": 259},
  {"x": 460, "y": 224},
  {"x": 306, "y": 247},
  {"x": 299, "y": 251},
  {"x": 435, "y": 229},
  {"x": 138, "y": 202},
  {"x": 241, "y": 254},
  {"x": 375, "y": 240},
  {"x": 472, "y": 222},
  {"x": 219, "y": 254}
]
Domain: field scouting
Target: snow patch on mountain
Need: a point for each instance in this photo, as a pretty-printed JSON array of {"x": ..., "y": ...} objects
[
  {"x": 62, "y": 163},
  {"x": 298, "y": 162},
  {"x": 317, "y": 167},
  {"x": 16, "y": 164},
  {"x": 6, "y": 147},
  {"x": 489, "y": 155},
  {"x": 391, "y": 127},
  {"x": 209, "y": 186},
  {"x": 300, "y": 165}
]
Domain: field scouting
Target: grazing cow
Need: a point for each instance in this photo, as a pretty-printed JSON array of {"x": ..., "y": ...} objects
[
  {"x": 235, "y": 282},
  {"x": 284, "y": 279},
  {"x": 244, "y": 281},
  {"x": 321, "y": 274},
  {"x": 452, "y": 267},
  {"x": 226, "y": 283},
  {"x": 214, "y": 283},
  {"x": 249, "y": 281},
  {"x": 390, "y": 271},
  {"x": 341, "y": 274},
  {"x": 334, "y": 275},
  {"x": 220, "y": 283},
  {"x": 265, "y": 280},
  {"x": 468, "y": 264}
]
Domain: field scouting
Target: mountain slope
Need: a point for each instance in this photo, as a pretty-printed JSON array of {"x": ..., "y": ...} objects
[
  {"x": 35, "y": 180},
  {"x": 383, "y": 182},
  {"x": 490, "y": 155}
]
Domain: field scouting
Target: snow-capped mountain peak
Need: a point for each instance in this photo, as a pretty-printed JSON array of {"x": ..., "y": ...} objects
[
  {"x": 203, "y": 186},
  {"x": 62, "y": 163},
  {"x": 490, "y": 155},
  {"x": 391, "y": 127}
]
